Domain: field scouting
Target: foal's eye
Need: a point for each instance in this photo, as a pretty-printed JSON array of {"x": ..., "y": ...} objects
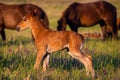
[{"x": 24, "y": 19}]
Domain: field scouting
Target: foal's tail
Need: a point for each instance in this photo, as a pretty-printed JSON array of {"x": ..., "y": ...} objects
[{"x": 83, "y": 41}]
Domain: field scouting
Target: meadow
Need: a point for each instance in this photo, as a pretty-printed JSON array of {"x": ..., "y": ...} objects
[{"x": 18, "y": 54}]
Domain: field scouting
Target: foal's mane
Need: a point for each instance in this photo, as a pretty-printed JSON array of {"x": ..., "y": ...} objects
[{"x": 34, "y": 15}]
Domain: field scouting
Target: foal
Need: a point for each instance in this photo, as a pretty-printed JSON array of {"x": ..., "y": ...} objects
[{"x": 48, "y": 41}]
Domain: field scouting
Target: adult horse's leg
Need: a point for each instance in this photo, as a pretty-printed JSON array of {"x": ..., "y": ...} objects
[
  {"x": 111, "y": 22},
  {"x": 112, "y": 32},
  {"x": 104, "y": 30},
  {"x": 85, "y": 59},
  {"x": 41, "y": 53},
  {"x": 74, "y": 28},
  {"x": 46, "y": 61},
  {"x": 3, "y": 34}
]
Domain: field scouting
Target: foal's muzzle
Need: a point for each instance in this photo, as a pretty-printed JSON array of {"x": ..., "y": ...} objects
[{"x": 18, "y": 28}]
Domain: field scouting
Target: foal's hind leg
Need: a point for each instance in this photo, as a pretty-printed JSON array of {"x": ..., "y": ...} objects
[
  {"x": 46, "y": 62},
  {"x": 89, "y": 60},
  {"x": 85, "y": 59}
]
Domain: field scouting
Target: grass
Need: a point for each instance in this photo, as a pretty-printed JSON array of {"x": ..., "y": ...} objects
[
  {"x": 106, "y": 61},
  {"x": 18, "y": 64}
]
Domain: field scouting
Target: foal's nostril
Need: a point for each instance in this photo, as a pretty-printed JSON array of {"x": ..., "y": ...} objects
[{"x": 18, "y": 28}]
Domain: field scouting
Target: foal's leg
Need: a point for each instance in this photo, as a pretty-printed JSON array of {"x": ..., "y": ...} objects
[
  {"x": 85, "y": 59},
  {"x": 46, "y": 62},
  {"x": 89, "y": 61},
  {"x": 79, "y": 56},
  {"x": 41, "y": 53}
]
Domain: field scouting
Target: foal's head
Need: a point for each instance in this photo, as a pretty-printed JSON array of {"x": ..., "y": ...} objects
[{"x": 25, "y": 22}]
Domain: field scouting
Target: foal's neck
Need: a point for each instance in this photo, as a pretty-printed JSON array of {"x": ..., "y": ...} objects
[{"x": 37, "y": 27}]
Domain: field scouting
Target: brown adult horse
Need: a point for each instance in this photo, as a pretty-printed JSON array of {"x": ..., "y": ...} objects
[
  {"x": 48, "y": 41},
  {"x": 10, "y": 15},
  {"x": 89, "y": 14}
]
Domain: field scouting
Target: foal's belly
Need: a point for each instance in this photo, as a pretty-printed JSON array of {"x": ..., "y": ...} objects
[
  {"x": 56, "y": 46},
  {"x": 57, "y": 41}
]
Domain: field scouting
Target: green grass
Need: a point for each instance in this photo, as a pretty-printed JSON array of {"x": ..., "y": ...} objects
[{"x": 18, "y": 65}]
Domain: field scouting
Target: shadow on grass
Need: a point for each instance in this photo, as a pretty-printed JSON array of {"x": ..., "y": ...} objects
[
  {"x": 19, "y": 63},
  {"x": 14, "y": 61},
  {"x": 17, "y": 41},
  {"x": 99, "y": 61},
  {"x": 65, "y": 63}
]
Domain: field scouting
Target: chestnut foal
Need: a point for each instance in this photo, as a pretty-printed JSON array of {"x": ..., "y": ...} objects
[{"x": 48, "y": 41}]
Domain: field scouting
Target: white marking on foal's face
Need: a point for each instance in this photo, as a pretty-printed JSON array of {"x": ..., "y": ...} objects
[{"x": 24, "y": 24}]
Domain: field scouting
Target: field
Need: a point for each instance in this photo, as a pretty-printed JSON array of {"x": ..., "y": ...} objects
[{"x": 18, "y": 54}]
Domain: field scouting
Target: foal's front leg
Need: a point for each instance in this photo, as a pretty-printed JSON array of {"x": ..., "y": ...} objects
[{"x": 41, "y": 53}]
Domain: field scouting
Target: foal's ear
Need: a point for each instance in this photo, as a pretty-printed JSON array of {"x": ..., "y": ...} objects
[
  {"x": 34, "y": 12},
  {"x": 42, "y": 20}
]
